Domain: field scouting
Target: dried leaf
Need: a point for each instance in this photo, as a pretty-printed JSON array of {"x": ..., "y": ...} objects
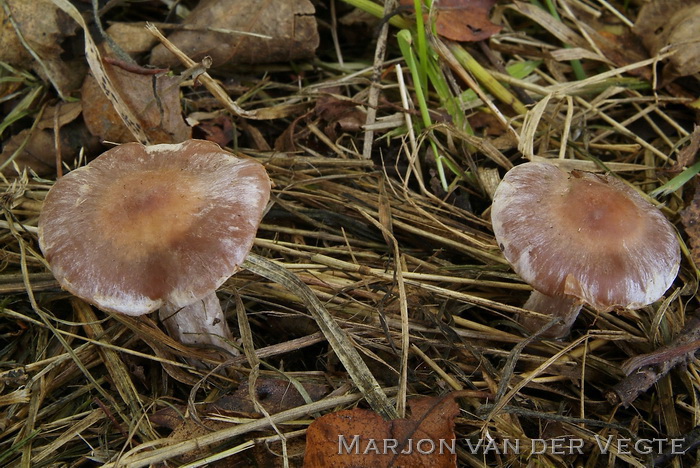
[
  {"x": 487, "y": 124},
  {"x": 94, "y": 59},
  {"x": 101, "y": 118},
  {"x": 153, "y": 99},
  {"x": 463, "y": 20},
  {"x": 39, "y": 151},
  {"x": 274, "y": 395},
  {"x": 219, "y": 130},
  {"x": 133, "y": 38},
  {"x": 284, "y": 30},
  {"x": 466, "y": 20},
  {"x": 672, "y": 25},
  {"x": 361, "y": 438},
  {"x": 60, "y": 115},
  {"x": 690, "y": 217},
  {"x": 621, "y": 49},
  {"x": 340, "y": 115},
  {"x": 43, "y": 27},
  {"x": 688, "y": 155}
]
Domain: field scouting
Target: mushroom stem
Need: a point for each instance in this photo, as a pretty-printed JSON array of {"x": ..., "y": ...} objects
[
  {"x": 201, "y": 324},
  {"x": 564, "y": 307}
]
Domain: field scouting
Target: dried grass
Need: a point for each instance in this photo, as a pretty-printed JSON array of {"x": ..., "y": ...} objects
[{"x": 415, "y": 281}]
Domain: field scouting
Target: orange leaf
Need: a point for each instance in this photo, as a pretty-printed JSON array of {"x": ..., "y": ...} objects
[
  {"x": 360, "y": 438},
  {"x": 153, "y": 99}
]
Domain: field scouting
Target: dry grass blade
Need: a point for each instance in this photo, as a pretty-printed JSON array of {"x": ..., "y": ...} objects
[
  {"x": 338, "y": 339},
  {"x": 95, "y": 60},
  {"x": 216, "y": 89},
  {"x": 372, "y": 280},
  {"x": 138, "y": 457}
]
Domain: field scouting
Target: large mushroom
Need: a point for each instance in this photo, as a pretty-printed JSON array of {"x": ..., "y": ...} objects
[
  {"x": 142, "y": 228},
  {"x": 581, "y": 238}
]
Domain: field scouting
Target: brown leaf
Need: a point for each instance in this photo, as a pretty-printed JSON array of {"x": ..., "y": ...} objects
[
  {"x": 360, "y": 438},
  {"x": 290, "y": 27},
  {"x": 219, "y": 130},
  {"x": 132, "y": 38},
  {"x": 270, "y": 455},
  {"x": 672, "y": 25},
  {"x": 169, "y": 417},
  {"x": 463, "y": 20},
  {"x": 487, "y": 124},
  {"x": 101, "y": 118},
  {"x": 339, "y": 114},
  {"x": 274, "y": 395},
  {"x": 690, "y": 217},
  {"x": 60, "y": 115},
  {"x": 287, "y": 141},
  {"x": 158, "y": 112},
  {"x": 688, "y": 155},
  {"x": 43, "y": 27},
  {"x": 39, "y": 152}
]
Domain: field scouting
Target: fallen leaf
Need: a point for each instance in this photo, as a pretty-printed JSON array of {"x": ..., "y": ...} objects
[
  {"x": 101, "y": 118},
  {"x": 340, "y": 115},
  {"x": 672, "y": 25},
  {"x": 43, "y": 28},
  {"x": 153, "y": 99},
  {"x": 270, "y": 455},
  {"x": 690, "y": 217},
  {"x": 688, "y": 155},
  {"x": 283, "y": 30},
  {"x": 60, "y": 115},
  {"x": 487, "y": 123},
  {"x": 133, "y": 38},
  {"x": 360, "y": 438},
  {"x": 275, "y": 395},
  {"x": 39, "y": 144},
  {"x": 294, "y": 133},
  {"x": 219, "y": 130},
  {"x": 463, "y": 20}
]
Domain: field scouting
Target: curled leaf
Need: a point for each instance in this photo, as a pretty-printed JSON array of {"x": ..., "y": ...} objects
[{"x": 672, "y": 25}]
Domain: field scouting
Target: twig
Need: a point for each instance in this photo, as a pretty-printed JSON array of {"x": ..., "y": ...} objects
[{"x": 645, "y": 370}]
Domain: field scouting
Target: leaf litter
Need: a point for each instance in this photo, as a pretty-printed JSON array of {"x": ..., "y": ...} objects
[
  {"x": 407, "y": 271},
  {"x": 233, "y": 32},
  {"x": 432, "y": 419}
]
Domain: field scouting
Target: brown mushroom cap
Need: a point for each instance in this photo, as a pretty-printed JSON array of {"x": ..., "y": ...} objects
[
  {"x": 141, "y": 226},
  {"x": 584, "y": 235}
]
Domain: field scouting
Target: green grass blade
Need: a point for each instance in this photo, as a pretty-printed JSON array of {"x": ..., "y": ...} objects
[{"x": 677, "y": 182}]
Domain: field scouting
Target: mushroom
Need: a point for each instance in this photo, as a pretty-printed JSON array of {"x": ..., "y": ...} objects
[
  {"x": 581, "y": 238},
  {"x": 142, "y": 228}
]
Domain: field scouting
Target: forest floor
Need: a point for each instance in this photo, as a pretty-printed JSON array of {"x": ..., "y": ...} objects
[{"x": 385, "y": 141}]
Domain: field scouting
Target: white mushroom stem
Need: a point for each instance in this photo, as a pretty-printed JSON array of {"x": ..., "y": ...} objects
[
  {"x": 201, "y": 324},
  {"x": 564, "y": 307}
]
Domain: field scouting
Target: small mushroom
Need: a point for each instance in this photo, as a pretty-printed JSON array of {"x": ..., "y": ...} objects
[
  {"x": 581, "y": 238},
  {"x": 148, "y": 227}
]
